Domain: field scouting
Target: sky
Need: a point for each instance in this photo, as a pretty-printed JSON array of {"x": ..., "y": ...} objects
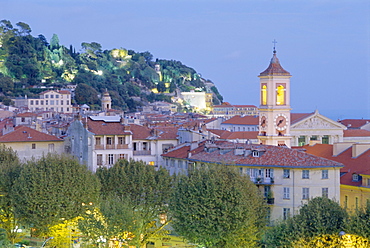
[{"x": 324, "y": 44}]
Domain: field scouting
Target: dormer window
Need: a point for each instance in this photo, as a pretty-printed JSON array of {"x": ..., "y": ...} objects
[
  {"x": 355, "y": 177},
  {"x": 255, "y": 154}
]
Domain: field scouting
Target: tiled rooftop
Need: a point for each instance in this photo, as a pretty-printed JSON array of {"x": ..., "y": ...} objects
[{"x": 26, "y": 134}]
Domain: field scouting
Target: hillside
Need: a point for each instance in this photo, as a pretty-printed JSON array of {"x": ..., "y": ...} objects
[{"x": 30, "y": 64}]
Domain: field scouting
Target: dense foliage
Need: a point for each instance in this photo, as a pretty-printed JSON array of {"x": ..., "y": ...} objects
[
  {"x": 52, "y": 189},
  {"x": 27, "y": 62},
  {"x": 216, "y": 206},
  {"x": 320, "y": 216}
]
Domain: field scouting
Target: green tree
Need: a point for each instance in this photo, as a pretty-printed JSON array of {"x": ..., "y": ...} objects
[
  {"x": 139, "y": 195},
  {"x": 10, "y": 168},
  {"x": 320, "y": 216},
  {"x": 215, "y": 206},
  {"x": 359, "y": 222},
  {"x": 85, "y": 94},
  {"x": 52, "y": 189}
]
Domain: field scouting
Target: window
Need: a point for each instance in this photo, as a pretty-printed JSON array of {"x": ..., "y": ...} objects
[
  {"x": 286, "y": 213},
  {"x": 97, "y": 141},
  {"x": 33, "y": 146},
  {"x": 61, "y": 102},
  {"x": 280, "y": 95},
  {"x": 51, "y": 102},
  {"x": 37, "y": 102},
  {"x": 305, "y": 193},
  {"x": 31, "y": 102},
  {"x": 99, "y": 159},
  {"x": 255, "y": 154},
  {"x": 356, "y": 203},
  {"x": 314, "y": 137},
  {"x": 145, "y": 146},
  {"x": 121, "y": 140},
  {"x": 110, "y": 159},
  {"x": 286, "y": 193},
  {"x": 23, "y": 119},
  {"x": 305, "y": 174},
  {"x": 269, "y": 173},
  {"x": 46, "y": 96},
  {"x": 286, "y": 173},
  {"x": 264, "y": 95},
  {"x": 301, "y": 140},
  {"x": 56, "y": 96},
  {"x": 122, "y": 156},
  {"x": 134, "y": 145},
  {"x": 46, "y": 102},
  {"x": 56, "y": 102},
  {"x": 325, "y": 192},
  {"x": 355, "y": 177},
  {"x": 41, "y": 102},
  {"x": 51, "y": 147},
  {"x": 109, "y": 141},
  {"x": 325, "y": 174},
  {"x": 325, "y": 139},
  {"x": 51, "y": 96},
  {"x": 241, "y": 170},
  {"x": 346, "y": 201},
  {"x": 67, "y": 102},
  {"x": 267, "y": 190}
]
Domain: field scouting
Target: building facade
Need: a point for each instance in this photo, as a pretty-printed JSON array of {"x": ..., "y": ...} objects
[{"x": 51, "y": 100}]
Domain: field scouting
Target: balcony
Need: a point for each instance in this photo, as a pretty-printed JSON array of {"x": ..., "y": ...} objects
[
  {"x": 263, "y": 180},
  {"x": 112, "y": 146},
  {"x": 99, "y": 147},
  {"x": 143, "y": 152},
  {"x": 122, "y": 146}
]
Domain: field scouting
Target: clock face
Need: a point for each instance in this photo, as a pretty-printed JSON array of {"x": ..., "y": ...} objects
[
  {"x": 280, "y": 122},
  {"x": 263, "y": 121}
]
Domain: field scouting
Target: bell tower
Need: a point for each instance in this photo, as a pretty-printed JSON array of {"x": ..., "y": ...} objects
[
  {"x": 106, "y": 101},
  {"x": 274, "y": 108}
]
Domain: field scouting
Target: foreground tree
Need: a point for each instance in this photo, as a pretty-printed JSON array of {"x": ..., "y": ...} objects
[
  {"x": 359, "y": 222},
  {"x": 215, "y": 206},
  {"x": 52, "y": 189},
  {"x": 320, "y": 216},
  {"x": 134, "y": 197},
  {"x": 10, "y": 168}
]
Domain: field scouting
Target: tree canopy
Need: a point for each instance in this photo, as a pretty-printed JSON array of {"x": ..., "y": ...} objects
[
  {"x": 52, "y": 189},
  {"x": 215, "y": 206}
]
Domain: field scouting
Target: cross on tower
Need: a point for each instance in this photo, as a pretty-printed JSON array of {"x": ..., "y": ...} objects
[{"x": 274, "y": 41}]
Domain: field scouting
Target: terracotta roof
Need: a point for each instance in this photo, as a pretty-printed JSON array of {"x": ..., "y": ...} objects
[
  {"x": 219, "y": 132},
  {"x": 359, "y": 165},
  {"x": 58, "y": 91},
  {"x": 356, "y": 133},
  {"x": 354, "y": 123},
  {"x": 26, "y": 134},
  {"x": 242, "y": 120},
  {"x": 296, "y": 117},
  {"x": 275, "y": 68},
  {"x": 272, "y": 156},
  {"x": 106, "y": 128},
  {"x": 240, "y": 135},
  {"x": 26, "y": 114}
]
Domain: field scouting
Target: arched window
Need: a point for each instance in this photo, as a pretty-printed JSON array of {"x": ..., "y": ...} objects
[
  {"x": 280, "y": 95},
  {"x": 264, "y": 95}
]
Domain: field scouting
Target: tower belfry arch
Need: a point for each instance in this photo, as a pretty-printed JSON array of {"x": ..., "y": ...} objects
[{"x": 274, "y": 108}]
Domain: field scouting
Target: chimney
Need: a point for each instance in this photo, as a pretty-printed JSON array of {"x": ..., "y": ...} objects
[
  {"x": 340, "y": 147},
  {"x": 359, "y": 148}
]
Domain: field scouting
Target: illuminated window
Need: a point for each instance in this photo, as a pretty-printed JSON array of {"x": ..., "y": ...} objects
[
  {"x": 280, "y": 95},
  {"x": 264, "y": 95},
  {"x": 151, "y": 163}
]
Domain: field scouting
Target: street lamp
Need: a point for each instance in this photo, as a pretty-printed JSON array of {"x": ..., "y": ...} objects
[{"x": 43, "y": 244}]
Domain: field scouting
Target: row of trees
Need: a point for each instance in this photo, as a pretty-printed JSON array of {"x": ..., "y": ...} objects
[
  {"x": 132, "y": 203},
  {"x": 32, "y": 61}
]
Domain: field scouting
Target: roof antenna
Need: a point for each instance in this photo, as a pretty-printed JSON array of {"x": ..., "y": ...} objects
[{"x": 274, "y": 41}]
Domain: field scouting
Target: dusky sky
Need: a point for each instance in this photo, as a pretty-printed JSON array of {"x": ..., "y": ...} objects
[{"x": 324, "y": 44}]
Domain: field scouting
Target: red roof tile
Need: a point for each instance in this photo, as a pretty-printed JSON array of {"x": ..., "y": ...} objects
[
  {"x": 106, "y": 128},
  {"x": 354, "y": 123},
  {"x": 273, "y": 156},
  {"x": 26, "y": 134},
  {"x": 240, "y": 135},
  {"x": 275, "y": 68},
  {"x": 356, "y": 133},
  {"x": 242, "y": 120},
  {"x": 358, "y": 165},
  {"x": 296, "y": 117}
]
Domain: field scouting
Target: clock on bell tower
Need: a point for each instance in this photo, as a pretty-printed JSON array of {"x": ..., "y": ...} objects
[{"x": 274, "y": 109}]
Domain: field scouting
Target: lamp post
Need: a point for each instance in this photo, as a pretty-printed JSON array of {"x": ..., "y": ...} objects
[{"x": 43, "y": 244}]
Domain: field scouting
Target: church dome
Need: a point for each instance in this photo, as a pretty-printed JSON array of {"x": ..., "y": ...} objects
[{"x": 275, "y": 68}]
